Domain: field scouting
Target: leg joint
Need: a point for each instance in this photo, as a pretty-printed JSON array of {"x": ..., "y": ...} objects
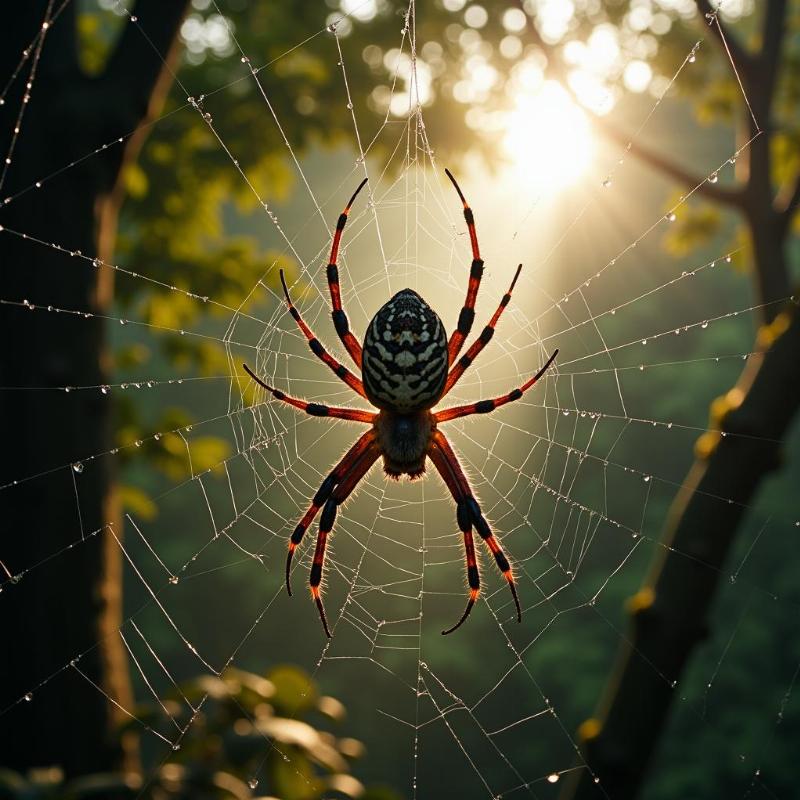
[
  {"x": 340, "y": 322},
  {"x": 465, "y": 320},
  {"x": 328, "y": 515},
  {"x": 464, "y": 517}
]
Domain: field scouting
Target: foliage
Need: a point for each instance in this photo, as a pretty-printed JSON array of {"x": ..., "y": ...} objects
[
  {"x": 250, "y": 736},
  {"x": 176, "y": 224},
  {"x": 182, "y": 192}
]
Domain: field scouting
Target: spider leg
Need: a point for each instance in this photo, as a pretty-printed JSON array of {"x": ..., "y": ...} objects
[
  {"x": 342, "y": 491},
  {"x": 469, "y": 513},
  {"x": 467, "y": 315},
  {"x": 318, "y": 350},
  {"x": 472, "y": 576},
  {"x": 486, "y": 406},
  {"x": 340, "y": 321},
  {"x": 322, "y": 495},
  {"x": 315, "y": 409},
  {"x": 482, "y": 340}
]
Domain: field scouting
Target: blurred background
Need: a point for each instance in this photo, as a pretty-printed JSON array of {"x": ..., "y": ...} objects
[{"x": 163, "y": 162}]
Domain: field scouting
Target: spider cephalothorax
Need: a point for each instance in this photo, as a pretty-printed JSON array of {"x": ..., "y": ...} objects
[{"x": 408, "y": 364}]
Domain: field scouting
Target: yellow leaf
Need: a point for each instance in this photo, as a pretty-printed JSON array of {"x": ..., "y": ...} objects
[{"x": 138, "y": 502}]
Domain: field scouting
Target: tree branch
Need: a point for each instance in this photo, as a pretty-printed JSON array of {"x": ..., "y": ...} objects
[
  {"x": 669, "y": 615},
  {"x": 720, "y": 194},
  {"x": 771, "y": 43}
]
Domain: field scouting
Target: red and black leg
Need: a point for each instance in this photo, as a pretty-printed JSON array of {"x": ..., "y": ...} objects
[
  {"x": 318, "y": 350},
  {"x": 481, "y": 342},
  {"x": 467, "y": 315},
  {"x": 340, "y": 321},
  {"x": 487, "y": 406},
  {"x": 314, "y": 409},
  {"x": 340, "y": 493},
  {"x": 469, "y": 514},
  {"x": 323, "y": 494},
  {"x": 473, "y": 577}
]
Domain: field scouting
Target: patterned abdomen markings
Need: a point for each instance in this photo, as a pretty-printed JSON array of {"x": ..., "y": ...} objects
[{"x": 405, "y": 355}]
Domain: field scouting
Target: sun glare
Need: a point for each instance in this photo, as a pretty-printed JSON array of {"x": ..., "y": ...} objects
[{"x": 548, "y": 137}]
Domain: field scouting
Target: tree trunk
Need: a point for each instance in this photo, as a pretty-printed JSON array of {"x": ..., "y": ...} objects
[
  {"x": 670, "y": 613},
  {"x": 70, "y": 606}
]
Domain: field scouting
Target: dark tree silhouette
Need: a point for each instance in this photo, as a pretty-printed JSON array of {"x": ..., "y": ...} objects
[
  {"x": 670, "y": 612},
  {"x": 73, "y": 604}
]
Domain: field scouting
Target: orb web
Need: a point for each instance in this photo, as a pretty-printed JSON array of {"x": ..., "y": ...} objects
[{"x": 575, "y": 478}]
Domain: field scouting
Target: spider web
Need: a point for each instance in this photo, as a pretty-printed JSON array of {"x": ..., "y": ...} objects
[{"x": 576, "y": 477}]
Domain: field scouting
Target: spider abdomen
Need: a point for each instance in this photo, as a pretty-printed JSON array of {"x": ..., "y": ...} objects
[{"x": 405, "y": 355}]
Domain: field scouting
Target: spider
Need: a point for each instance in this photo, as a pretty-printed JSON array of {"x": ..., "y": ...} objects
[{"x": 407, "y": 365}]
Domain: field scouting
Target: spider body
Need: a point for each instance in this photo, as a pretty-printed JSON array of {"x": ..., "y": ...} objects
[
  {"x": 404, "y": 365},
  {"x": 407, "y": 365},
  {"x": 404, "y": 440}
]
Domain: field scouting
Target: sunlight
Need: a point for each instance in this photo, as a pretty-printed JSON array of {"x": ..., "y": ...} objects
[{"x": 548, "y": 137}]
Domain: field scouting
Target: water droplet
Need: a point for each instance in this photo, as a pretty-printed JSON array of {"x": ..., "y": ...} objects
[
  {"x": 553, "y": 777},
  {"x": 28, "y": 697},
  {"x": 646, "y": 478},
  {"x": 252, "y": 783},
  {"x": 350, "y": 106},
  {"x": 173, "y": 579},
  {"x": 728, "y": 259},
  {"x": 606, "y": 183},
  {"x": 713, "y": 177},
  {"x": 644, "y": 341},
  {"x": 176, "y": 747},
  {"x": 671, "y": 217},
  {"x": 692, "y": 58},
  {"x": 134, "y": 18},
  {"x": 77, "y": 467}
]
